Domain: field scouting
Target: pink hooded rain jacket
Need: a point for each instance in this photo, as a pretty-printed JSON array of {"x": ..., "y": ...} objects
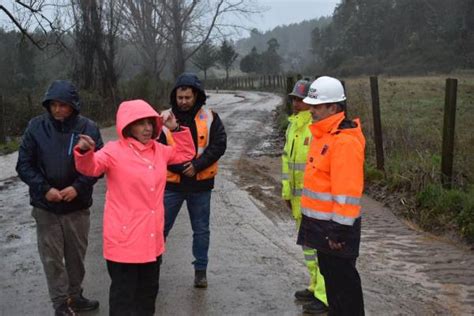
[{"x": 136, "y": 178}]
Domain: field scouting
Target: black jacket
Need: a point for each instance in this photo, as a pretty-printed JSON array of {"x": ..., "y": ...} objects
[
  {"x": 217, "y": 141},
  {"x": 45, "y": 157}
]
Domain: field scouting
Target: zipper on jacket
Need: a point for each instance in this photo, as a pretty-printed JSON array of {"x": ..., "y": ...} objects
[
  {"x": 292, "y": 146},
  {"x": 69, "y": 151},
  {"x": 293, "y": 167}
]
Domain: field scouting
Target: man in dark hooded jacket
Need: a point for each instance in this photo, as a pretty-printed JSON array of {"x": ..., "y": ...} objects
[
  {"x": 60, "y": 196},
  {"x": 193, "y": 181}
]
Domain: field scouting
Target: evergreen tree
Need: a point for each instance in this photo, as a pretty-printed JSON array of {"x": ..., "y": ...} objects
[
  {"x": 205, "y": 58},
  {"x": 227, "y": 57},
  {"x": 251, "y": 62},
  {"x": 271, "y": 60}
]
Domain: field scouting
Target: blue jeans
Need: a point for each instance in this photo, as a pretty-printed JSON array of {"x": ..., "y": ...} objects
[{"x": 199, "y": 208}]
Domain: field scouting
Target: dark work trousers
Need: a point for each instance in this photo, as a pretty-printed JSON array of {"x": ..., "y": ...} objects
[
  {"x": 343, "y": 286},
  {"x": 62, "y": 244},
  {"x": 134, "y": 288}
]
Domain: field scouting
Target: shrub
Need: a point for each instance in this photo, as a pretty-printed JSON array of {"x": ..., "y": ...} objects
[
  {"x": 9, "y": 147},
  {"x": 440, "y": 208},
  {"x": 372, "y": 174}
]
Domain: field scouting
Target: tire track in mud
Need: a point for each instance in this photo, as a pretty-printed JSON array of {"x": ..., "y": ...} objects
[{"x": 419, "y": 265}]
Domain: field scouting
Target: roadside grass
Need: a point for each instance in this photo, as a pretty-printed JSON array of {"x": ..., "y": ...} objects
[
  {"x": 412, "y": 119},
  {"x": 9, "y": 147}
]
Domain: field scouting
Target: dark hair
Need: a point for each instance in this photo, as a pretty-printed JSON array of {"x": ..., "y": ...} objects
[
  {"x": 127, "y": 131},
  {"x": 195, "y": 91},
  {"x": 341, "y": 106}
]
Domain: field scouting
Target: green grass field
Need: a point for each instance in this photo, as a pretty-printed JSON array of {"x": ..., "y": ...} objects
[{"x": 412, "y": 119}]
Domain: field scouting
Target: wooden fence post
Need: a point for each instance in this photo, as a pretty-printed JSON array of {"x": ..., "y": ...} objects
[
  {"x": 374, "y": 89},
  {"x": 447, "y": 155},
  {"x": 290, "y": 82},
  {"x": 3, "y": 136}
]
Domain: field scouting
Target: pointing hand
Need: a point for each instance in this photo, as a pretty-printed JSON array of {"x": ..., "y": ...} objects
[{"x": 86, "y": 143}]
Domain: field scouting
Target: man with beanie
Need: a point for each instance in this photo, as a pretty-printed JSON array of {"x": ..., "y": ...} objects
[
  {"x": 60, "y": 196},
  {"x": 298, "y": 138},
  {"x": 193, "y": 181}
]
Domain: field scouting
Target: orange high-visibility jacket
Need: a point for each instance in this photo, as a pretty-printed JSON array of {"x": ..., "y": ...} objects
[
  {"x": 203, "y": 119},
  {"x": 334, "y": 175}
]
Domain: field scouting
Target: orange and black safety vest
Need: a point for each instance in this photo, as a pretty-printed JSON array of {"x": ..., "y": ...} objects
[
  {"x": 203, "y": 120},
  {"x": 334, "y": 175}
]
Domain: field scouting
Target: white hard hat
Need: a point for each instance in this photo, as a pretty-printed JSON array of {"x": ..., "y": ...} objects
[{"x": 325, "y": 90}]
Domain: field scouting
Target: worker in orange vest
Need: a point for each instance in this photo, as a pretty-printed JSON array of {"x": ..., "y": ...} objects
[
  {"x": 332, "y": 189},
  {"x": 193, "y": 180}
]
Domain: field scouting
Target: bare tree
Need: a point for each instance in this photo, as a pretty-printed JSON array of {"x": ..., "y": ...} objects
[
  {"x": 29, "y": 14},
  {"x": 144, "y": 27},
  {"x": 190, "y": 23},
  {"x": 179, "y": 28},
  {"x": 96, "y": 26}
]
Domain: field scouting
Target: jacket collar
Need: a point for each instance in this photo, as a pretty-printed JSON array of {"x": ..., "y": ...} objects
[
  {"x": 64, "y": 126},
  {"x": 138, "y": 145},
  {"x": 328, "y": 125},
  {"x": 301, "y": 119}
]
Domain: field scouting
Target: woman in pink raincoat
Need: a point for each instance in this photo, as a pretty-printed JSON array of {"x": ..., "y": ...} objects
[{"x": 135, "y": 169}]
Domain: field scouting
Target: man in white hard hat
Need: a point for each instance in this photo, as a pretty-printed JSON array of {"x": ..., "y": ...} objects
[
  {"x": 330, "y": 202},
  {"x": 295, "y": 152}
]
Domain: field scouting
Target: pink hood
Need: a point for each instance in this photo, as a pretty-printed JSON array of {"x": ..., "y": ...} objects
[{"x": 130, "y": 111}]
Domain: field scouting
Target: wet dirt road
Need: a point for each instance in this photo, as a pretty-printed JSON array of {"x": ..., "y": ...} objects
[{"x": 255, "y": 265}]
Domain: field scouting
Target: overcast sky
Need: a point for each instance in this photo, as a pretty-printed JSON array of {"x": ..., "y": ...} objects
[
  {"x": 291, "y": 11},
  {"x": 277, "y": 12}
]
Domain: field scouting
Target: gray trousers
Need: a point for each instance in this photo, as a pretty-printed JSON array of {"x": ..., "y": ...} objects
[{"x": 62, "y": 244}]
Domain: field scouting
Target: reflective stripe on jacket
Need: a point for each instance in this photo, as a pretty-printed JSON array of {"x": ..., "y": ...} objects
[
  {"x": 298, "y": 138},
  {"x": 203, "y": 120},
  {"x": 334, "y": 178}
]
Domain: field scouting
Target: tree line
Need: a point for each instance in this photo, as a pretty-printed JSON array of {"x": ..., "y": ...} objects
[
  {"x": 396, "y": 36},
  {"x": 375, "y": 37}
]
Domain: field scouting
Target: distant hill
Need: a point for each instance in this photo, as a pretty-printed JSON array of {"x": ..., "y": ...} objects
[{"x": 294, "y": 40}]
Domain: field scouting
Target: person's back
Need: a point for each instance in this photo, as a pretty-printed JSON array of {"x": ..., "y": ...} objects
[{"x": 60, "y": 196}]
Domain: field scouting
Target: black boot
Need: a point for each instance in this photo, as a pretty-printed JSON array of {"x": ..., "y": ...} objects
[
  {"x": 316, "y": 307},
  {"x": 80, "y": 304},
  {"x": 65, "y": 310},
  {"x": 200, "y": 280},
  {"x": 304, "y": 295}
]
